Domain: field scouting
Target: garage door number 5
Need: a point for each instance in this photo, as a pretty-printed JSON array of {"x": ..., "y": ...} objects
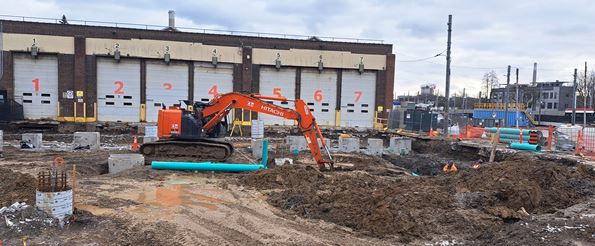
[
  {"x": 120, "y": 86},
  {"x": 277, "y": 92}
]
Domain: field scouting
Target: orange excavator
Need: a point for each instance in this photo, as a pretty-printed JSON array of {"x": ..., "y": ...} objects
[{"x": 187, "y": 134}]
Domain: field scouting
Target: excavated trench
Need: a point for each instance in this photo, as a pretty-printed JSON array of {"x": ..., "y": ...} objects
[{"x": 473, "y": 205}]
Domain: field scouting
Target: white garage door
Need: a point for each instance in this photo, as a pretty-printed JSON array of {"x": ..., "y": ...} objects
[
  {"x": 166, "y": 86},
  {"x": 36, "y": 86},
  {"x": 118, "y": 90},
  {"x": 210, "y": 81},
  {"x": 358, "y": 94},
  {"x": 275, "y": 82},
  {"x": 319, "y": 90}
]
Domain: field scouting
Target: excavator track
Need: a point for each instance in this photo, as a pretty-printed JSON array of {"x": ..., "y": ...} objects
[{"x": 186, "y": 151}]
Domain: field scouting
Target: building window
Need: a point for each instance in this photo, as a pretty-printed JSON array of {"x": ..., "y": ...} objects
[
  {"x": 545, "y": 95},
  {"x": 555, "y": 95},
  {"x": 555, "y": 105},
  {"x": 549, "y": 105}
]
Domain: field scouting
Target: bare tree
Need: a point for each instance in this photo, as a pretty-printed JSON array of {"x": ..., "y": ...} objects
[
  {"x": 581, "y": 93},
  {"x": 490, "y": 81}
]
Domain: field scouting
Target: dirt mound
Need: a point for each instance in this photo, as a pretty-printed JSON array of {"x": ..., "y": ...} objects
[
  {"x": 475, "y": 204},
  {"x": 538, "y": 187},
  {"x": 16, "y": 187}
]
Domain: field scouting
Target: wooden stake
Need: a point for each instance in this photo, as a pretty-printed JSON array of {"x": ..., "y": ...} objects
[
  {"x": 73, "y": 182},
  {"x": 494, "y": 145}
]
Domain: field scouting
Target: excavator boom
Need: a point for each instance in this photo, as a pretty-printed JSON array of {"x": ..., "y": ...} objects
[
  {"x": 219, "y": 107},
  {"x": 180, "y": 130}
]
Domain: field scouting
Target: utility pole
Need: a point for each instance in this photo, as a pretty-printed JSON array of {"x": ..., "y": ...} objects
[
  {"x": 447, "y": 91},
  {"x": 517, "y": 97},
  {"x": 585, "y": 98},
  {"x": 534, "y": 85},
  {"x": 464, "y": 99},
  {"x": 574, "y": 99},
  {"x": 506, "y": 93},
  {"x": 540, "y": 103}
]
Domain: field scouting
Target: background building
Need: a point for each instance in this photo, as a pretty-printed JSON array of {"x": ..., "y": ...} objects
[
  {"x": 556, "y": 97},
  {"x": 72, "y": 72}
]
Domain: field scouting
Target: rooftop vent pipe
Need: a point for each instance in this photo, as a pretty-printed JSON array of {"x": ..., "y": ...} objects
[{"x": 172, "y": 19}]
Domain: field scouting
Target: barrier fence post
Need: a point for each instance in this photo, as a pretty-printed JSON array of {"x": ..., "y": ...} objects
[
  {"x": 579, "y": 142},
  {"x": 550, "y": 137}
]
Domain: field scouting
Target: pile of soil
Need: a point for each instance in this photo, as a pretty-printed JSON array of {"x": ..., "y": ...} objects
[
  {"x": 16, "y": 187},
  {"x": 537, "y": 186},
  {"x": 472, "y": 205}
]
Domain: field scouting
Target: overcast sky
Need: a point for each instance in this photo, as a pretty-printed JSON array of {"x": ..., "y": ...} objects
[{"x": 487, "y": 35}]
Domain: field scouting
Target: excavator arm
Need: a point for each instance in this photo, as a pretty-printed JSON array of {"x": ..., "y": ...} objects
[{"x": 219, "y": 107}]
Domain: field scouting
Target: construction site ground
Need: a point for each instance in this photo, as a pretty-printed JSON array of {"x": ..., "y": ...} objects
[{"x": 521, "y": 199}]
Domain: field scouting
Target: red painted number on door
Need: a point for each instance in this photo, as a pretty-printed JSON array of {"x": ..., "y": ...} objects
[
  {"x": 36, "y": 84},
  {"x": 213, "y": 91},
  {"x": 118, "y": 90},
  {"x": 277, "y": 92},
  {"x": 167, "y": 86},
  {"x": 318, "y": 96},
  {"x": 358, "y": 95}
]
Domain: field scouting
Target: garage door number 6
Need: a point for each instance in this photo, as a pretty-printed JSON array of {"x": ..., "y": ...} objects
[{"x": 318, "y": 96}]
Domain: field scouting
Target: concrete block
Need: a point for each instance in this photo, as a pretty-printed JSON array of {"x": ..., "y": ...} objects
[
  {"x": 121, "y": 162},
  {"x": 348, "y": 144},
  {"x": 149, "y": 139},
  {"x": 86, "y": 140},
  {"x": 150, "y": 131},
  {"x": 375, "y": 146},
  {"x": 33, "y": 140},
  {"x": 296, "y": 143},
  {"x": 400, "y": 145},
  {"x": 326, "y": 140},
  {"x": 257, "y": 129},
  {"x": 257, "y": 145}
]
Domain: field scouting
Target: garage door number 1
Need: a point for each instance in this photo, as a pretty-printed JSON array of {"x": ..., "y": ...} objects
[{"x": 36, "y": 84}]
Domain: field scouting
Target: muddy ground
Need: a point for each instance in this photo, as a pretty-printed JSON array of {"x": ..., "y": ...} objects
[{"x": 519, "y": 200}]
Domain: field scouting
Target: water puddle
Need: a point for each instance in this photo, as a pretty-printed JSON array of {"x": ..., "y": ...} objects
[
  {"x": 94, "y": 209},
  {"x": 177, "y": 193}
]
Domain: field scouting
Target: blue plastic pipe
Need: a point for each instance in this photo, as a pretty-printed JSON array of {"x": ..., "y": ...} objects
[
  {"x": 525, "y": 146},
  {"x": 212, "y": 166},
  {"x": 206, "y": 166},
  {"x": 513, "y": 131}
]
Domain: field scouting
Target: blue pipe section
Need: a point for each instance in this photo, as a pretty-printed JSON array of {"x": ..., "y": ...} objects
[
  {"x": 206, "y": 166},
  {"x": 217, "y": 167},
  {"x": 513, "y": 131},
  {"x": 526, "y": 146}
]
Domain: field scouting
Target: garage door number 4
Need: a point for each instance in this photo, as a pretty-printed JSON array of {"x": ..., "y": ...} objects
[{"x": 213, "y": 91}]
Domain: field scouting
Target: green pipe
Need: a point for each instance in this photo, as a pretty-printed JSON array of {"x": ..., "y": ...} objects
[
  {"x": 205, "y": 166},
  {"x": 217, "y": 167},
  {"x": 513, "y": 131},
  {"x": 512, "y": 136},
  {"x": 526, "y": 146}
]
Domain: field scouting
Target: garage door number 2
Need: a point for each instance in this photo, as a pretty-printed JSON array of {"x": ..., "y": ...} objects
[{"x": 120, "y": 86}]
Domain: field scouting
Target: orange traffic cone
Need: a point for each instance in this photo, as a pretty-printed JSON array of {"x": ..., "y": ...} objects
[{"x": 135, "y": 144}]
